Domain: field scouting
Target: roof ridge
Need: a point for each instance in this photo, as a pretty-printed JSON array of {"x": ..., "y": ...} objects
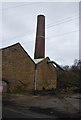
[
  {"x": 10, "y": 46},
  {"x": 21, "y": 47}
]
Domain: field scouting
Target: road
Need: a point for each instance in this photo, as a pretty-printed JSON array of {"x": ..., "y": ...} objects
[
  {"x": 40, "y": 107},
  {"x": 15, "y": 111},
  {"x": 21, "y": 112}
]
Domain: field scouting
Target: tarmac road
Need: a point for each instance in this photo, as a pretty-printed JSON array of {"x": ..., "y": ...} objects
[
  {"x": 16, "y": 112},
  {"x": 40, "y": 107},
  {"x": 12, "y": 113}
]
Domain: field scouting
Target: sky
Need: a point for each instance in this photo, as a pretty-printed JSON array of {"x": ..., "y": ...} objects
[{"x": 19, "y": 20}]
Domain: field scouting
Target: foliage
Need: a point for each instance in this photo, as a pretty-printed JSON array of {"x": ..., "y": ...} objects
[{"x": 70, "y": 77}]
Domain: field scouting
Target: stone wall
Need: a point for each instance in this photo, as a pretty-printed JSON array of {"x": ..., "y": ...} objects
[
  {"x": 17, "y": 68},
  {"x": 46, "y": 75}
]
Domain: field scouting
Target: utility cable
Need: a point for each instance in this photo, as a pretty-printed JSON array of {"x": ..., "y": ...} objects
[
  {"x": 63, "y": 34},
  {"x": 19, "y": 36},
  {"x": 18, "y": 6},
  {"x": 62, "y": 22}
]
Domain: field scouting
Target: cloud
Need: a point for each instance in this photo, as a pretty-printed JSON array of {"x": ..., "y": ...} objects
[{"x": 19, "y": 25}]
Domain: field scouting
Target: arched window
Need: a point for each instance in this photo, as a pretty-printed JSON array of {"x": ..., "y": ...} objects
[{"x": 4, "y": 85}]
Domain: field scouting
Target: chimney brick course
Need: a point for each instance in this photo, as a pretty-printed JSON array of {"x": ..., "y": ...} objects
[{"x": 40, "y": 38}]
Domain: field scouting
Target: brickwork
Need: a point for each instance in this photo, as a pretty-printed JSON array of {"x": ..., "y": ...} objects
[{"x": 40, "y": 38}]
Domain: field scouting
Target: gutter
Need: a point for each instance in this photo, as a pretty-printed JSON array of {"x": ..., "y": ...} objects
[{"x": 49, "y": 61}]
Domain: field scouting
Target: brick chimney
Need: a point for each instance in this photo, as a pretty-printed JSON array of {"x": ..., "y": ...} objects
[{"x": 40, "y": 38}]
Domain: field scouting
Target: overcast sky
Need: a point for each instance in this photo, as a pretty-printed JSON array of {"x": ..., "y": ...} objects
[{"x": 61, "y": 23}]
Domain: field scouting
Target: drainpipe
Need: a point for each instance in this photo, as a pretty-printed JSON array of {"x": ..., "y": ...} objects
[
  {"x": 53, "y": 62},
  {"x": 35, "y": 80}
]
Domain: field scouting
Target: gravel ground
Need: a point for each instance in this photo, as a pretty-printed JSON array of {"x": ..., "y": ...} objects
[{"x": 52, "y": 105}]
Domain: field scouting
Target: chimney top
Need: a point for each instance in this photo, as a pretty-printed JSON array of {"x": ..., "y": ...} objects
[
  {"x": 41, "y": 15},
  {"x": 40, "y": 38}
]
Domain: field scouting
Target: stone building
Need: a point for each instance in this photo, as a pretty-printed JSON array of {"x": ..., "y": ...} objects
[
  {"x": 21, "y": 73},
  {"x": 17, "y": 68},
  {"x": 46, "y": 77}
]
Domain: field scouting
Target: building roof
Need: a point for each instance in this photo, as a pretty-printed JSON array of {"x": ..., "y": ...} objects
[
  {"x": 38, "y": 60},
  {"x": 17, "y": 44},
  {"x": 35, "y": 61}
]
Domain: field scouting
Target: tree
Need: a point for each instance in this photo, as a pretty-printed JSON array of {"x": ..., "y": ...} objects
[{"x": 70, "y": 77}]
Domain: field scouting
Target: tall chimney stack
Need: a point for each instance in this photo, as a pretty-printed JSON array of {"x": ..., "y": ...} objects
[{"x": 40, "y": 38}]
